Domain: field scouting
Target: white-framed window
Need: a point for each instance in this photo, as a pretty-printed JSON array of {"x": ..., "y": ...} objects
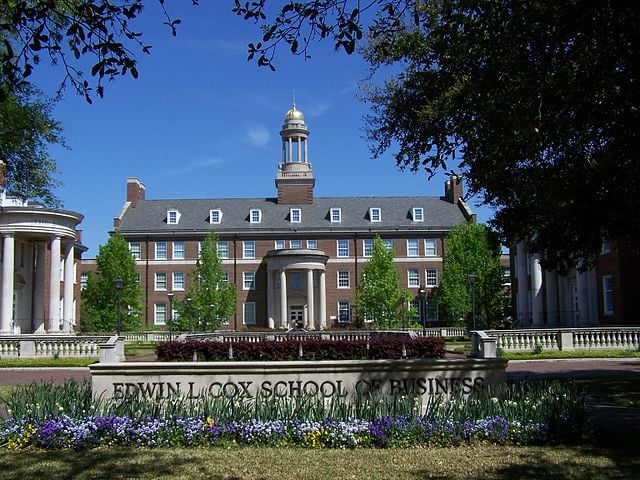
[
  {"x": 413, "y": 247},
  {"x": 295, "y": 244},
  {"x": 431, "y": 277},
  {"x": 413, "y": 277},
  {"x": 344, "y": 312},
  {"x": 173, "y": 217},
  {"x": 226, "y": 278},
  {"x": 343, "y": 279},
  {"x": 417, "y": 214},
  {"x": 248, "y": 280},
  {"x": 606, "y": 246},
  {"x": 160, "y": 314},
  {"x": 249, "y": 313},
  {"x": 138, "y": 278},
  {"x": 178, "y": 280},
  {"x": 84, "y": 278},
  {"x": 248, "y": 249},
  {"x": 430, "y": 247},
  {"x": 432, "y": 312},
  {"x": 215, "y": 216},
  {"x": 178, "y": 250},
  {"x": 160, "y": 281},
  {"x": 375, "y": 214},
  {"x": 336, "y": 215},
  {"x": 255, "y": 215},
  {"x": 223, "y": 249},
  {"x": 607, "y": 295},
  {"x": 295, "y": 215},
  {"x": 134, "y": 248},
  {"x": 280, "y": 245},
  {"x": 388, "y": 244},
  {"x": 312, "y": 244},
  {"x": 161, "y": 250},
  {"x": 343, "y": 248},
  {"x": 367, "y": 247}
]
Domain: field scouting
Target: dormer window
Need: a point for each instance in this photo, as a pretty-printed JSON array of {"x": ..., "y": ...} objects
[
  {"x": 255, "y": 215},
  {"x": 215, "y": 216},
  {"x": 375, "y": 214},
  {"x": 336, "y": 215},
  {"x": 295, "y": 215},
  {"x": 173, "y": 217},
  {"x": 417, "y": 214}
]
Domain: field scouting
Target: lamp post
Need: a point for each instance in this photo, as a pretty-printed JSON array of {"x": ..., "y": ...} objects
[
  {"x": 118, "y": 282},
  {"x": 189, "y": 303},
  {"x": 472, "y": 281},
  {"x": 213, "y": 317},
  {"x": 170, "y": 295},
  {"x": 422, "y": 294}
]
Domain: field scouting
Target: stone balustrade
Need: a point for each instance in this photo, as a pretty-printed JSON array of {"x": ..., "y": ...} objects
[{"x": 48, "y": 346}]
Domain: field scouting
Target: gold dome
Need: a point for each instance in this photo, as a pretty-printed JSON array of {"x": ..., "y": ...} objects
[{"x": 294, "y": 114}]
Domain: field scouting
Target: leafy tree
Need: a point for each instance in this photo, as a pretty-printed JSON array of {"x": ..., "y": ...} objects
[
  {"x": 213, "y": 298},
  {"x": 100, "y": 296},
  {"x": 378, "y": 295},
  {"x": 26, "y": 129},
  {"x": 470, "y": 251}
]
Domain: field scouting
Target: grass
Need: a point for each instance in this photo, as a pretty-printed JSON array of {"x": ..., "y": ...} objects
[
  {"x": 481, "y": 462},
  {"x": 556, "y": 354},
  {"x": 134, "y": 349},
  {"x": 46, "y": 362},
  {"x": 619, "y": 391}
]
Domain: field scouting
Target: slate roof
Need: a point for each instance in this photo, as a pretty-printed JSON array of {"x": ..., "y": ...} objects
[{"x": 150, "y": 216}]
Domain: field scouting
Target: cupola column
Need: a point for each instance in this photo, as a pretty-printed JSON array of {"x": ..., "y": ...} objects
[
  {"x": 6, "y": 307},
  {"x": 54, "y": 287}
]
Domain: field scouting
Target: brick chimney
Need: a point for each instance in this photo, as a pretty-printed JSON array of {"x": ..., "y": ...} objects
[
  {"x": 453, "y": 189},
  {"x": 135, "y": 191}
]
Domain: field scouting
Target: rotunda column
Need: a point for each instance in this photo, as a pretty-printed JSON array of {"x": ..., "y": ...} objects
[
  {"x": 54, "y": 287},
  {"x": 536, "y": 288},
  {"x": 283, "y": 299},
  {"x": 68, "y": 315},
  {"x": 270, "y": 299},
  {"x": 6, "y": 307},
  {"x": 523, "y": 285},
  {"x": 38, "y": 290},
  {"x": 323, "y": 300},
  {"x": 311, "y": 322}
]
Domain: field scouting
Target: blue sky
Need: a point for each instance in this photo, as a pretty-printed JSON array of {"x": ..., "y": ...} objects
[{"x": 202, "y": 122}]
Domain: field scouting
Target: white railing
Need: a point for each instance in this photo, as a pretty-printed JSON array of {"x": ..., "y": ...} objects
[
  {"x": 48, "y": 346},
  {"x": 627, "y": 338}
]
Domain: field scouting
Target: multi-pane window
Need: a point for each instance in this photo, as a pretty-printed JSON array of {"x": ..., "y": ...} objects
[
  {"x": 430, "y": 248},
  {"x": 84, "y": 278},
  {"x": 248, "y": 249},
  {"x": 375, "y": 214},
  {"x": 161, "y": 281},
  {"x": 607, "y": 294},
  {"x": 178, "y": 250},
  {"x": 606, "y": 246},
  {"x": 249, "y": 280},
  {"x": 215, "y": 216},
  {"x": 161, "y": 250},
  {"x": 226, "y": 278},
  {"x": 418, "y": 214},
  {"x": 413, "y": 247},
  {"x": 367, "y": 247},
  {"x": 295, "y": 280},
  {"x": 343, "y": 279},
  {"x": 413, "y": 278},
  {"x": 249, "y": 313},
  {"x": 295, "y": 244},
  {"x": 280, "y": 244},
  {"x": 336, "y": 215},
  {"x": 160, "y": 314},
  {"x": 223, "y": 249},
  {"x": 312, "y": 244},
  {"x": 295, "y": 215},
  {"x": 255, "y": 215},
  {"x": 388, "y": 244},
  {"x": 431, "y": 277},
  {"x": 343, "y": 248},
  {"x": 344, "y": 312},
  {"x": 173, "y": 217},
  {"x": 178, "y": 280},
  {"x": 432, "y": 312},
  {"x": 134, "y": 248}
]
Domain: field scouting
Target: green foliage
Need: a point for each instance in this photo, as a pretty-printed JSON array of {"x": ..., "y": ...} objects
[
  {"x": 378, "y": 295},
  {"x": 469, "y": 252},
  {"x": 26, "y": 129},
  {"x": 213, "y": 298},
  {"x": 100, "y": 296}
]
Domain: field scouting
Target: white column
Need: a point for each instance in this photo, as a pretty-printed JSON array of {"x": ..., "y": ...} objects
[
  {"x": 299, "y": 142},
  {"x": 523, "y": 285},
  {"x": 68, "y": 288},
  {"x": 583, "y": 300},
  {"x": 536, "y": 289},
  {"x": 6, "y": 307},
  {"x": 54, "y": 287},
  {"x": 306, "y": 153},
  {"x": 284, "y": 322},
  {"x": 38, "y": 290},
  {"x": 290, "y": 159},
  {"x": 323, "y": 301},
  {"x": 270, "y": 318},
  {"x": 551, "y": 287},
  {"x": 311, "y": 321}
]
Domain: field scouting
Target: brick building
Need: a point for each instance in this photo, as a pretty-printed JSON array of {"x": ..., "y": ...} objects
[{"x": 294, "y": 257}]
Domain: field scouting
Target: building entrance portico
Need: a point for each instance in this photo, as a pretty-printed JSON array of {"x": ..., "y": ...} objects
[{"x": 296, "y": 291}]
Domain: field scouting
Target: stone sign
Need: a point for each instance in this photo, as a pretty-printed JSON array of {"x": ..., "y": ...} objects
[{"x": 325, "y": 379}]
